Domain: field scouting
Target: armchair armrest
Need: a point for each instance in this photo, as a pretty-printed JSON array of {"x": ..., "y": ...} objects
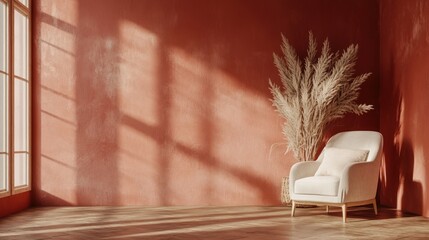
[
  {"x": 302, "y": 170},
  {"x": 359, "y": 181}
]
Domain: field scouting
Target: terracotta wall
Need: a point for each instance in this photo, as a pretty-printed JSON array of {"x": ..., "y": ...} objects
[
  {"x": 167, "y": 102},
  {"x": 404, "y": 85},
  {"x": 14, "y": 203}
]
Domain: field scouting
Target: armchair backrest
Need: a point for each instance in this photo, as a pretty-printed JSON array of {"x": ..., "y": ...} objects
[{"x": 365, "y": 140}]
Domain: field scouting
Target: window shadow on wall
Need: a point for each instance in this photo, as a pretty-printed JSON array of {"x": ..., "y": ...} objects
[
  {"x": 100, "y": 116},
  {"x": 136, "y": 92},
  {"x": 398, "y": 185},
  {"x": 97, "y": 113},
  {"x": 42, "y": 89}
]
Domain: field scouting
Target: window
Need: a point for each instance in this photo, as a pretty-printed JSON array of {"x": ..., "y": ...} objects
[
  {"x": 4, "y": 99},
  {"x": 15, "y": 85}
]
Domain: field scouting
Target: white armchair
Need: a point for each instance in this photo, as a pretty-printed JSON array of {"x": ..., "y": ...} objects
[{"x": 344, "y": 175}]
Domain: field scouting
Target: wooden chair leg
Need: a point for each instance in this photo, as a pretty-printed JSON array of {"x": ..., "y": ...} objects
[
  {"x": 327, "y": 208},
  {"x": 344, "y": 208},
  {"x": 293, "y": 209},
  {"x": 374, "y": 204}
]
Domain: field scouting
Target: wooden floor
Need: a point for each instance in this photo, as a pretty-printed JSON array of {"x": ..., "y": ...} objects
[{"x": 210, "y": 223}]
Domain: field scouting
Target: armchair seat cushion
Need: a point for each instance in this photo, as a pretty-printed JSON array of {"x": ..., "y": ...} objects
[{"x": 317, "y": 185}]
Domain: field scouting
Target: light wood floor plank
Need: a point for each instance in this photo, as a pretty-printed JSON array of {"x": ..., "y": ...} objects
[{"x": 225, "y": 223}]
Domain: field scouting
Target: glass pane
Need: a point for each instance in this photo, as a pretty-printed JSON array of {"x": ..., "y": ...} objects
[
  {"x": 21, "y": 115},
  {"x": 25, "y": 2},
  {"x": 3, "y": 172},
  {"x": 3, "y": 37},
  {"x": 21, "y": 45},
  {"x": 3, "y": 113},
  {"x": 20, "y": 168}
]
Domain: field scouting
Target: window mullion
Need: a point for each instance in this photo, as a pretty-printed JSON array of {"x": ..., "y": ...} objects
[
  {"x": 21, "y": 7},
  {"x": 11, "y": 95}
]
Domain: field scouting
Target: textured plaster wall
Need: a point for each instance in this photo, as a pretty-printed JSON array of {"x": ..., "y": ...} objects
[
  {"x": 167, "y": 102},
  {"x": 404, "y": 84}
]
